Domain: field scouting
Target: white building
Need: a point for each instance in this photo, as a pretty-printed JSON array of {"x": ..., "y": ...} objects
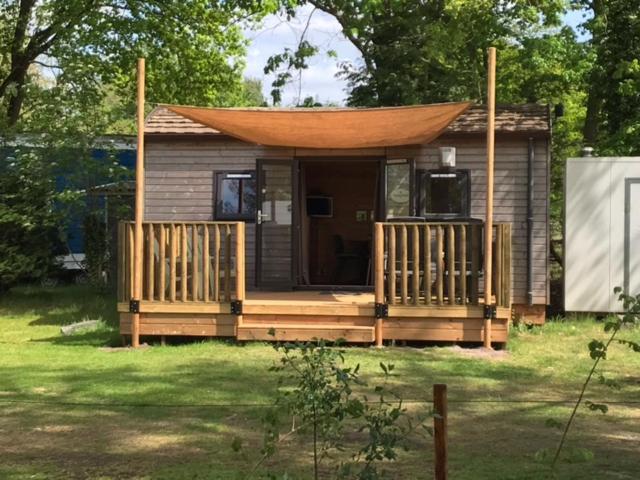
[{"x": 602, "y": 232}]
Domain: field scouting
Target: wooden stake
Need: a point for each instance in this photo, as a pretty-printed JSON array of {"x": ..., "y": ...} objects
[
  {"x": 139, "y": 208},
  {"x": 488, "y": 227},
  {"x": 440, "y": 430}
]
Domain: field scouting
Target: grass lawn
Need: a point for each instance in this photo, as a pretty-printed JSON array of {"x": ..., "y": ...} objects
[{"x": 47, "y": 430}]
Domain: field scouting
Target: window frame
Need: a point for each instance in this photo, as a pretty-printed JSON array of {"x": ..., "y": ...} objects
[
  {"x": 222, "y": 175},
  {"x": 421, "y": 192}
]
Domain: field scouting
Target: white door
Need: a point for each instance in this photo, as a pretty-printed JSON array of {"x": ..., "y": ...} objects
[{"x": 632, "y": 236}]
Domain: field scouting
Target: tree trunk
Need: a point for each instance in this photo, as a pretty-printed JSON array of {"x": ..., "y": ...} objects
[
  {"x": 17, "y": 75},
  {"x": 594, "y": 100},
  {"x": 16, "y": 98},
  {"x": 594, "y": 108}
]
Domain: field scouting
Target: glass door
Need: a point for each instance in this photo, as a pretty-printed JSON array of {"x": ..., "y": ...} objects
[
  {"x": 398, "y": 188},
  {"x": 274, "y": 245}
]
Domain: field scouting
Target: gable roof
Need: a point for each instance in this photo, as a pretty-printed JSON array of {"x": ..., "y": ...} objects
[{"x": 532, "y": 119}]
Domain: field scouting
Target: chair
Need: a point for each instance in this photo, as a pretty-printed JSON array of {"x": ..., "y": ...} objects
[{"x": 345, "y": 259}]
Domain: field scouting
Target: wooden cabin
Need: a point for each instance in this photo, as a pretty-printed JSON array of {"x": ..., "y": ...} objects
[{"x": 287, "y": 242}]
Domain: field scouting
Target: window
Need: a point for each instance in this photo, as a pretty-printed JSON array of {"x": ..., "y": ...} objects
[
  {"x": 236, "y": 196},
  {"x": 444, "y": 193}
]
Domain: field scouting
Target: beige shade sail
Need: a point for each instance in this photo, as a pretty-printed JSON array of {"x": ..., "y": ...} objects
[{"x": 329, "y": 127}]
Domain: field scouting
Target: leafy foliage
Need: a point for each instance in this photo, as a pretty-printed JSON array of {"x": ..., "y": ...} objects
[
  {"x": 423, "y": 52},
  {"x": 317, "y": 392},
  {"x": 85, "y": 51},
  {"x": 613, "y": 122},
  {"x": 29, "y": 223}
]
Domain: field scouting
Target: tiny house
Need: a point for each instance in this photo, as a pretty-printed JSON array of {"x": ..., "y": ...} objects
[
  {"x": 602, "y": 232},
  {"x": 302, "y": 223}
]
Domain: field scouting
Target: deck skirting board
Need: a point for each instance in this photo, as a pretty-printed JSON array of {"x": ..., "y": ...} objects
[
  {"x": 298, "y": 332},
  {"x": 327, "y": 323}
]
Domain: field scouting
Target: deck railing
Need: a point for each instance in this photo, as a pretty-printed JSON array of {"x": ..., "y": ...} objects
[
  {"x": 184, "y": 262},
  {"x": 440, "y": 263}
]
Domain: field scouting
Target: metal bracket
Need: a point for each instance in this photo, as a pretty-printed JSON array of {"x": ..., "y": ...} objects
[
  {"x": 134, "y": 306},
  {"x": 382, "y": 310},
  {"x": 236, "y": 307},
  {"x": 489, "y": 312}
]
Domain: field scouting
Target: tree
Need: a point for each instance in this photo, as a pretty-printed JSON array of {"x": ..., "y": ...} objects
[
  {"x": 423, "y": 52},
  {"x": 612, "y": 121},
  {"x": 252, "y": 93},
  {"x": 195, "y": 49},
  {"x": 29, "y": 223}
]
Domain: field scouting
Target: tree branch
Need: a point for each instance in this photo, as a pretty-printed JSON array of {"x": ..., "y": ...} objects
[{"x": 357, "y": 42}]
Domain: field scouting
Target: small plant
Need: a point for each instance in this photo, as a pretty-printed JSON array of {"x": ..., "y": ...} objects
[
  {"x": 598, "y": 351},
  {"x": 317, "y": 393}
]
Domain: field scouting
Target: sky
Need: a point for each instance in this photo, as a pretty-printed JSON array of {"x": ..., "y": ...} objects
[
  {"x": 275, "y": 34},
  {"x": 319, "y": 80}
]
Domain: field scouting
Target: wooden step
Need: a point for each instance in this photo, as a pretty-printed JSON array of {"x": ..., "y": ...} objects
[
  {"x": 305, "y": 332},
  {"x": 252, "y": 307}
]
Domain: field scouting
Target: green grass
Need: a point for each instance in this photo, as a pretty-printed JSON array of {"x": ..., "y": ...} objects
[{"x": 48, "y": 430}]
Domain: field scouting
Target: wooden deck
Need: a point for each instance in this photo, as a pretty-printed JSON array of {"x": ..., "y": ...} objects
[
  {"x": 197, "y": 292},
  {"x": 304, "y": 315}
]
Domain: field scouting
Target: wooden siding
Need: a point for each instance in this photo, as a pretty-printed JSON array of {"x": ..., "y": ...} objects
[{"x": 180, "y": 184}]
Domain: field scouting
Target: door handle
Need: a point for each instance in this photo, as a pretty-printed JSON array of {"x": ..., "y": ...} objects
[{"x": 260, "y": 216}]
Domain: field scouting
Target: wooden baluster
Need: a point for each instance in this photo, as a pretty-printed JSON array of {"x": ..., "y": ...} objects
[
  {"x": 379, "y": 277},
  {"x": 216, "y": 265},
  {"x": 122, "y": 263},
  {"x": 463, "y": 264},
  {"x": 427, "y": 264},
  {"x": 506, "y": 275},
  {"x": 475, "y": 262},
  {"x": 240, "y": 273},
  {"x": 391, "y": 265},
  {"x": 131, "y": 236},
  {"x": 451, "y": 267},
  {"x": 497, "y": 265},
  {"x": 151, "y": 277},
  {"x": 183, "y": 263},
  {"x": 415, "y": 260},
  {"x": 206, "y": 262},
  {"x": 240, "y": 261},
  {"x": 439, "y": 265},
  {"x": 173, "y": 250},
  {"x": 404, "y": 279},
  {"x": 194, "y": 262},
  {"x": 161, "y": 262},
  {"x": 227, "y": 263}
]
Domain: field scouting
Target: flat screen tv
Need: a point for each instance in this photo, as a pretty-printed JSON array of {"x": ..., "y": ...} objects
[{"x": 319, "y": 206}]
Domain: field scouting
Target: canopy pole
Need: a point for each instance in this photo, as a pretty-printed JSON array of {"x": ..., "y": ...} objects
[
  {"x": 139, "y": 209},
  {"x": 488, "y": 228}
]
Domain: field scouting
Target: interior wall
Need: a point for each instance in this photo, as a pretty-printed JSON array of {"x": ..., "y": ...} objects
[{"x": 352, "y": 186}]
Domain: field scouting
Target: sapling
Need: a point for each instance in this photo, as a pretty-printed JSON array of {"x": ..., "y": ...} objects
[{"x": 598, "y": 351}]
